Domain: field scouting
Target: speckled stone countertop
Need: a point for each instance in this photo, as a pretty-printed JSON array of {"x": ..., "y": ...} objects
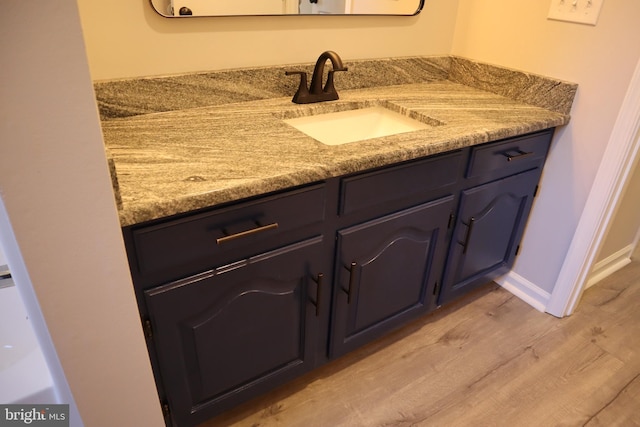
[{"x": 187, "y": 142}]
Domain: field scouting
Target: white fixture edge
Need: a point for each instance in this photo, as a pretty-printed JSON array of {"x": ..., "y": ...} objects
[{"x": 614, "y": 171}]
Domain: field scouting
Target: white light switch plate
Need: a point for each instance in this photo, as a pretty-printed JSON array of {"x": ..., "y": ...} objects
[{"x": 580, "y": 11}]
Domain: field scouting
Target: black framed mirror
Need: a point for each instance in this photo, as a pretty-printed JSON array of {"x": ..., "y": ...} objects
[{"x": 195, "y": 8}]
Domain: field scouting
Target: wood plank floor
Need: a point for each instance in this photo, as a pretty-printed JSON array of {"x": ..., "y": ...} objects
[{"x": 490, "y": 361}]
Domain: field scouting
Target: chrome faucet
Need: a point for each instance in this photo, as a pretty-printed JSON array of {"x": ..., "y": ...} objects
[{"x": 318, "y": 93}]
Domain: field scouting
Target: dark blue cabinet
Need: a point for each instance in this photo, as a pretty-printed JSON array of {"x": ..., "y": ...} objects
[{"x": 240, "y": 298}]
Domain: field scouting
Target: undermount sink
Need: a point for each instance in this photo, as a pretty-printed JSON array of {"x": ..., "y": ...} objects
[{"x": 357, "y": 124}]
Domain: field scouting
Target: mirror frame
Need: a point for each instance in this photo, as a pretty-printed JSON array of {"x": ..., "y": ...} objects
[{"x": 189, "y": 15}]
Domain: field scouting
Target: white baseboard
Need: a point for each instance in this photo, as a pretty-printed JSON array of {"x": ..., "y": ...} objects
[
  {"x": 525, "y": 290},
  {"x": 538, "y": 298},
  {"x": 609, "y": 265}
]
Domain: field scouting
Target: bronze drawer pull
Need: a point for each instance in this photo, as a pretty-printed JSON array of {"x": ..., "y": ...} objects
[
  {"x": 319, "y": 287},
  {"x": 259, "y": 229},
  {"x": 521, "y": 154},
  {"x": 352, "y": 279},
  {"x": 470, "y": 225}
]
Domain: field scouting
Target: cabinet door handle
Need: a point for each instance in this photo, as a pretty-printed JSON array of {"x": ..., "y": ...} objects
[
  {"x": 256, "y": 230},
  {"x": 472, "y": 221},
  {"x": 319, "y": 287},
  {"x": 352, "y": 278},
  {"x": 520, "y": 155}
]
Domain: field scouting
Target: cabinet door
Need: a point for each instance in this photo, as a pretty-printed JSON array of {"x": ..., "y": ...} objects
[
  {"x": 231, "y": 333},
  {"x": 386, "y": 272},
  {"x": 489, "y": 228}
]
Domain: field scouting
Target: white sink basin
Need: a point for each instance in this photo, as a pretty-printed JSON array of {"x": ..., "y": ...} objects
[{"x": 355, "y": 125}]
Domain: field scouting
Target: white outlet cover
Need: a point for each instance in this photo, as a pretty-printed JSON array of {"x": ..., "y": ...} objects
[{"x": 580, "y": 11}]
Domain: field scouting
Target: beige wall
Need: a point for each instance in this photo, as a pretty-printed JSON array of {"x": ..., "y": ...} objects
[
  {"x": 125, "y": 38},
  {"x": 623, "y": 232},
  {"x": 57, "y": 197},
  {"x": 601, "y": 60}
]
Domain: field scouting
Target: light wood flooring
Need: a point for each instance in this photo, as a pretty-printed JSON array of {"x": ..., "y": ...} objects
[{"x": 488, "y": 361}]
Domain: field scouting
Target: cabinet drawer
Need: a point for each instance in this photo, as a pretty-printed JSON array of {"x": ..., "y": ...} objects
[
  {"x": 509, "y": 157},
  {"x": 410, "y": 182},
  {"x": 198, "y": 242}
]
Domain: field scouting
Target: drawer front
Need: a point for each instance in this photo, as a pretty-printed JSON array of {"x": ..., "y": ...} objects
[
  {"x": 405, "y": 184},
  {"x": 199, "y": 242},
  {"x": 500, "y": 159}
]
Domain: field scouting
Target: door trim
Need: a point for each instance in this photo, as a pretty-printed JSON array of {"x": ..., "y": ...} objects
[{"x": 615, "y": 170}]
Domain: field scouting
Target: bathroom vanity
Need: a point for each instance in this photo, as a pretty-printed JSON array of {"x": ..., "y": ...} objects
[{"x": 258, "y": 253}]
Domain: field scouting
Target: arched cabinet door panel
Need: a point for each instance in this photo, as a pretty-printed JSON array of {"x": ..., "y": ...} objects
[
  {"x": 491, "y": 221},
  {"x": 386, "y": 272},
  {"x": 228, "y": 334}
]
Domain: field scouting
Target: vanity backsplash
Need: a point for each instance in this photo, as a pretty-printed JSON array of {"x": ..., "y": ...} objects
[{"x": 132, "y": 97}]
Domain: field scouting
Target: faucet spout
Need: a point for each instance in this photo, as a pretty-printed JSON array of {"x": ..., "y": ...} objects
[
  {"x": 318, "y": 72},
  {"x": 316, "y": 92}
]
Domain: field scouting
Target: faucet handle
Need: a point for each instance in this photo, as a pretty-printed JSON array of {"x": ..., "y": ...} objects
[
  {"x": 303, "y": 90},
  {"x": 328, "y": 86}
]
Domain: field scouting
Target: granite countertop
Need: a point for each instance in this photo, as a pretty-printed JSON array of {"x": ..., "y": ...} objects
[{"x": 190, "y": 156}]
